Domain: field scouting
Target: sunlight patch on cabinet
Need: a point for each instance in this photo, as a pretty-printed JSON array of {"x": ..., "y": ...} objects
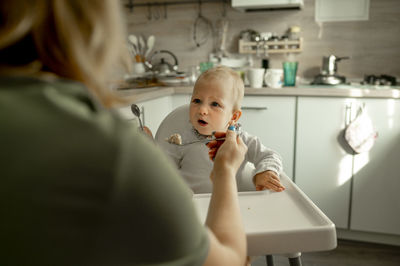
[
  {"x": 391, "y": 112},
  {"x": 345, "y": 169},
  {"x": 362, "y": 160}
]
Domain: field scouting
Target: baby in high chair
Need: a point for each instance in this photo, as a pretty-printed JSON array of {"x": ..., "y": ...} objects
[{"x": 215, "y": 105}]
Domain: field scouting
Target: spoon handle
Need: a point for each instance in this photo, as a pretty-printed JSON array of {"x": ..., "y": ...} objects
[{"x": 196, "y": 141}]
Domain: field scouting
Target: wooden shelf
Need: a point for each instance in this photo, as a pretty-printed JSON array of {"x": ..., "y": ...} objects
[{"x": 271, "y": 47}]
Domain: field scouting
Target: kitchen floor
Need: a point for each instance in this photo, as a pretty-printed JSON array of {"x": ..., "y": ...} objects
[{"x": 347, "y": 253}]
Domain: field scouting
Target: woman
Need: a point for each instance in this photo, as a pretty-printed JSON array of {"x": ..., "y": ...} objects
[{"x": 78, "y": 185}]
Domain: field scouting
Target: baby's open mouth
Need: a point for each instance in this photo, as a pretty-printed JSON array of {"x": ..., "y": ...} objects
[{"x": 202, "y": 122}]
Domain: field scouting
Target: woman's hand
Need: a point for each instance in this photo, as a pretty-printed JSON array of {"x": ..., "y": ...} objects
[{"x": 228, "y": 153}]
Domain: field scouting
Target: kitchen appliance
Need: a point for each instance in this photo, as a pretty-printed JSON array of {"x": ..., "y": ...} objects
[
  {"x": 384, "y": 80},
  {"x": 166, "y": 72},
  {"x": 160, "y": 66},
  {"x": 328, "y": 75},
  {"x": 263, "y": 5}
]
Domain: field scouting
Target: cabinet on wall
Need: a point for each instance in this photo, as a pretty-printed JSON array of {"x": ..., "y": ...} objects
[
  {"x": 272, "y": 119},
  {"x": 358, "y": 192}
]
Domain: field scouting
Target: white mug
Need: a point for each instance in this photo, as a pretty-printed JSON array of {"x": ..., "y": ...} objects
[
  {"x": 273, "y": 78},
  {"x": 255, "y": 77}
]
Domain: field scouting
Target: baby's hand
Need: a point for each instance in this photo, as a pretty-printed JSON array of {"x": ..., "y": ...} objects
[
  {"x": 268, "y": 180},
  {"x": 148, "y": 132}
]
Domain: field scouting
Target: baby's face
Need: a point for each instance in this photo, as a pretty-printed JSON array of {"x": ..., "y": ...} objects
[{"x": 211, "y": 106}]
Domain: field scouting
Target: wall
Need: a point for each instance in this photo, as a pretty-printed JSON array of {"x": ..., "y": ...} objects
[{"x": 373, "y": 45}]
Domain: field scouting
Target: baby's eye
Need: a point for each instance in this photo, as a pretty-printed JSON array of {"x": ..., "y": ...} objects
[
  {"x": 196, "y": 101},
  {"x": 215, "y": 104}
]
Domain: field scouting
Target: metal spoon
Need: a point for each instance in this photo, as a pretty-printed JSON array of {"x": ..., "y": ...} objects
[
  {"x": 196, "y": 141},
  {"x": 136, "y": 111}
]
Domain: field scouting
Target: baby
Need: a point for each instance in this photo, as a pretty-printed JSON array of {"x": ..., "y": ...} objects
[{"x": 215, "y": 104}]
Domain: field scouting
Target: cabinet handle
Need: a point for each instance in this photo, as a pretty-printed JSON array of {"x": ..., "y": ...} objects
[
  {"x": 347, "y": 114},
  {"x": 143, "y": 117},
  {"x": 254, "y": 108}
]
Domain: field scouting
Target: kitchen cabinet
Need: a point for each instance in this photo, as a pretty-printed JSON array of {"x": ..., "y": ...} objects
[
  {"x": 155, "y": 110},
  {"x": 180, "y": 99},
  {"x": 152, "y": 112},
  {"x": 376, "y": 180},
  {"x": 358, "y": 192},
  {"x": 272, "y": 119},
  {"x": 323, "y": 169}
]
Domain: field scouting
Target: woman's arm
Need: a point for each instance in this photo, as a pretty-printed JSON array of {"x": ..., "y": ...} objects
[{"x": 227, "y": 236}]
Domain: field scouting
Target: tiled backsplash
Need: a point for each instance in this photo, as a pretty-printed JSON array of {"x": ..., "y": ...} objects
[{"x": 373, "y": 45}]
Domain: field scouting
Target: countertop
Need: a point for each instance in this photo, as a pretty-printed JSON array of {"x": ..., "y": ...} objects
[{"x": 361, "y": 91}]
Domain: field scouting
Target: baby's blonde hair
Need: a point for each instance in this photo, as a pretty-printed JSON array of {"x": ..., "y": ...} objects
[
  {"x": 222, "y": 72},
  {"x": 75, "y": 39}
]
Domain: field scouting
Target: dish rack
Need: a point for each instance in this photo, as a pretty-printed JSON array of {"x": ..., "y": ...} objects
[{"x": 271, "y": 47}]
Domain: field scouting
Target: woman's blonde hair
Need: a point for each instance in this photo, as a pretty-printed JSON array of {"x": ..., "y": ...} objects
[
  {"x": 223, "y": 72},
  {"x": 83, "y": 40}
]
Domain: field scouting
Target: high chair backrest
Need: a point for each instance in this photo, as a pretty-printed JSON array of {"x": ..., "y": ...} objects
[{"x": 173, "y": 122}]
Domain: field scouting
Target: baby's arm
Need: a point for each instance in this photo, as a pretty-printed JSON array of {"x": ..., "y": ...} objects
[
  {"x": 268, "y": 180},
  {"x": 267, "y": 162}
]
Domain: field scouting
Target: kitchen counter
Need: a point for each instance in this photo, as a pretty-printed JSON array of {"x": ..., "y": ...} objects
[{"x": 362, "y": 91}]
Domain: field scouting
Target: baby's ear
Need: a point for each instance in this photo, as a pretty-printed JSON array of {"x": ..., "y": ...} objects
[{"x": 236, "y": 115}]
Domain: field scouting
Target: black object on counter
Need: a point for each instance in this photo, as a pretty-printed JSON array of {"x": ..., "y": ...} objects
[
  {"x": 380, "y": 80},
  {"x": 265, "y": 63}
]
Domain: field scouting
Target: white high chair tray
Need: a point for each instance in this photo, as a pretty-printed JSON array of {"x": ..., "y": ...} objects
[{"x": 280, "y": 222}]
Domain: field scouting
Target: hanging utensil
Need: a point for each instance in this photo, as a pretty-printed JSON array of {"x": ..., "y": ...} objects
[
  {"x": 201, "y": 25},
  {"x": 222, "y": 32},
  {"x": 142, "y": 45},
  {"x": 134, "y": 41},
  {"x": 150, "y": 44},
  {"x": 222, "y": 28}
]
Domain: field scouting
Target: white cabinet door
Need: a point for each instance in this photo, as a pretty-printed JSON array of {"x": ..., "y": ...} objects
[
  {"x": 272, "y": 119},
  {"x": 323, "y": 169},
  {"x": 154, "y": 111},
  {"x": 180, "y": 99},
  {"x": 376, "y": 198}
]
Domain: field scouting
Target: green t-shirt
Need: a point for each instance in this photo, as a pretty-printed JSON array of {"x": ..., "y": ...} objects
[{"x": 80, "y": 186}]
